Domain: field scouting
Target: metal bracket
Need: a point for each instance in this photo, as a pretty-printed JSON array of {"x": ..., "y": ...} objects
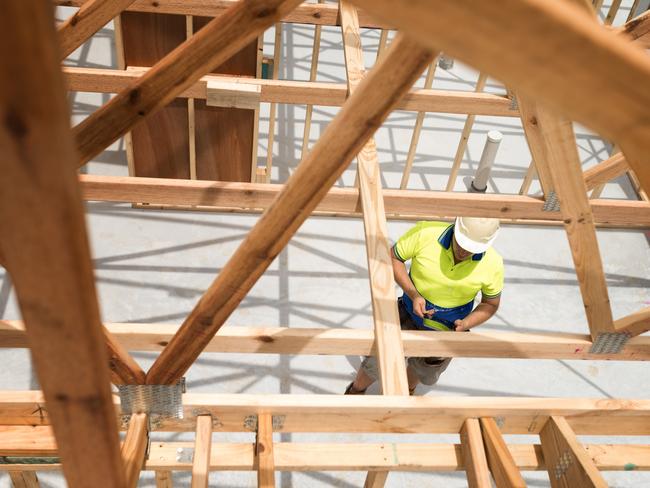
[
  {"x": 552, "y": 203},
  {"x": 514, "y": 105},
  {"x": 562, "y": 465},
  {"x": 251, "y": 423},
  {"x": 163, "y": 400},
  {"x": 185, "y": 455},
  {"x": 609, "y": 343},
  {"x": 500, "y": 421}
]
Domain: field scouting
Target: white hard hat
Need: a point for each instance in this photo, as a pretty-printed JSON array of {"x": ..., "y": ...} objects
[{"x": 475, "y": 234}]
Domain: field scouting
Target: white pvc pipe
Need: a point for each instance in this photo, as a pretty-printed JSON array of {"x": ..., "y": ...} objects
[{"x": 479, "y": 185}]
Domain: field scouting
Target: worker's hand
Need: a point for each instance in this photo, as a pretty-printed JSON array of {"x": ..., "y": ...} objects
[
  {"x": 419, "y": 307},
  {"x": 461, "y": 325}
]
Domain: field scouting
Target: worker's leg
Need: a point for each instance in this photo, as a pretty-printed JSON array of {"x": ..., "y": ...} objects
[
  {"x": 412, "y": 376},
  {"x": 366, "y": 376},
  {"x": 428, "y": 370}
]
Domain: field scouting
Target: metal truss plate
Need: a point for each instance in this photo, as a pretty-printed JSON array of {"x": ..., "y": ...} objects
[
  {"x": 552, "y": 203},
  {"x": 162, "y": 400},
  {"x": 563, "y": 464},
  {"x": 609, "y": 343},
  {"x": 185, "y": 455}
]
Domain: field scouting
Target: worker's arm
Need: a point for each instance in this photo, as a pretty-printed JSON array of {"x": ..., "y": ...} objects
[
  {"x": 404, "y": 281},
  {"x": 486, "y": 309}
]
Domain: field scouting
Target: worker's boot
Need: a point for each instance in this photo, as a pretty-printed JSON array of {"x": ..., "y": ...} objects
[{"x": 351, "y": 390}]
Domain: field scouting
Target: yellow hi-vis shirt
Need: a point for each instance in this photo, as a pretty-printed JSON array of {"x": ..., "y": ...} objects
[{"x": 435, "y": 276}]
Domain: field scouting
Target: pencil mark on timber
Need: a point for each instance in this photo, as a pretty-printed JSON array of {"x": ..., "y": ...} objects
[{"x": 15, "y": 124}]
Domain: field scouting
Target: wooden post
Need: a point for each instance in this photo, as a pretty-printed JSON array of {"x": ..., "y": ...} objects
[
  {"x": 92, "y": 16},
  {"x": 613, "y": 10},
  {"x": 277, "y": 51},
  {"x": 464, "y": 137},
  {"x": 134, "y": 448},
  {"x": 214, "y": 44},
  {"x": 46, "y": 248},
  {"x": 312, "y": 77},
  {"x": 587, "y": 68},
  {"x": 191, "y": 112},
  {"x": 531, "y": 172},
  {"x": 419, "y": 121},
  {"x": 502, "y": 465},
  {"x": 24, "y": 479},
  {"x": 264, "y": 451},
  {"x": 164, "y": 479},
  {"x": 344, "y": 137},
  {"x": 376, "y": 479},
  {"x": 605, "y": 171},
  {"x": 474, "y": 457},
  {"x": 563, "y": 164},
  {"x": 567, "y": 462},
  {"x": 390, "y": 353},
  {"x": 202, "y": 449}
]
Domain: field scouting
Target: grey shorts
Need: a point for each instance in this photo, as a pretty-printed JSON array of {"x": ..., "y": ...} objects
[{"x": 428, "y": 370}]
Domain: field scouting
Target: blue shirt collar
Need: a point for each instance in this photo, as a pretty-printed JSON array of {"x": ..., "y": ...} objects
[{"x": 445, "y": 241}]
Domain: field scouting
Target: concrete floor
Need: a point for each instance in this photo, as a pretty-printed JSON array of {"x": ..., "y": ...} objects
[{"x": 153, "y": 266}]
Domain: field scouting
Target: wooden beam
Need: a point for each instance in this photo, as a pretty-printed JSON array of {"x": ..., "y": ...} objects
[
  {"x": 135, "y": 447},
  {"x": 306, "y": 13},
  {"x": 563, "y": 165},
  {"x": 376, "y": 413},
  {"x": 299, "y": 92},
  {"x": 208, "y": 48},
  {"x": 313, "y": 71},
  {"x": 233, "y": 95},
  {"x": 389, "y": 350},
  {"x": 375, "y": 479},
  {"x": 92, "y": 16},
  {"x": 24, "y": 479},
  {"x": 638, "y": 29},
  {"x": 345, "y": 135},
  {"x": 605, "y": 171},
  {"x": 46, "y": 248},
  {"x": 202, "y": 448},
  {"x": 264, "y": 458},
  {"x": 502, "y": 465},
  {"x": 344, "y": 456},
  {"x": 164, "y": 478},
  {"x": 567, "y": 462},
  {"x": 345, "y": 201},
  {"x": 587, "y": 68},
  {"x": 634, "y": 324},
  {"x": 360, "y": 342},
  {"x": 474, "y": 457}
]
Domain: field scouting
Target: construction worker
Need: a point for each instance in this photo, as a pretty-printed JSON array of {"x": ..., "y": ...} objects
[{"x": 450, "y": 264}]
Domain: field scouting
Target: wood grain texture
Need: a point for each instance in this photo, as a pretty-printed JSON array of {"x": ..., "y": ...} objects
[
  {"x": 605, "y": 171},
  {"x": 502, "y": 465},
  {"x": 24, "y": 479},
  {"x": 351, "y": 456},
  {"x": 345, "y": 201},
  {"x": 306, "y": 13},
  {"x": 474, "y": 457},
  {"x": 46, "y": 247},
  {"x": 638, "y": 29},
  {"x": 582, "y": 61},
  {"x": 634, "y": 324},
  {"x": 164, "y": 478},
  {"x": 264, "y": 458},
  {"x": 205, "y": 50},
  {"x": 390, "y": 353},
  {"x": 92, "y": 16},
  {"x": 202, "y": 448},
  {"x": 567, "y": 462},
  {"x": 344, "y": 137},
  {"x": 302, "y": 92},
  {"x": 161, "y": 141},
  {"x": 134, "y": 448},
  {"x": 350, "y": 342},
  {"x": 375, "y": 413},
  {"x": 224, "y": 136},
  {"x": 563, "y": 164},
  {"x": 376, "y": 479}
]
